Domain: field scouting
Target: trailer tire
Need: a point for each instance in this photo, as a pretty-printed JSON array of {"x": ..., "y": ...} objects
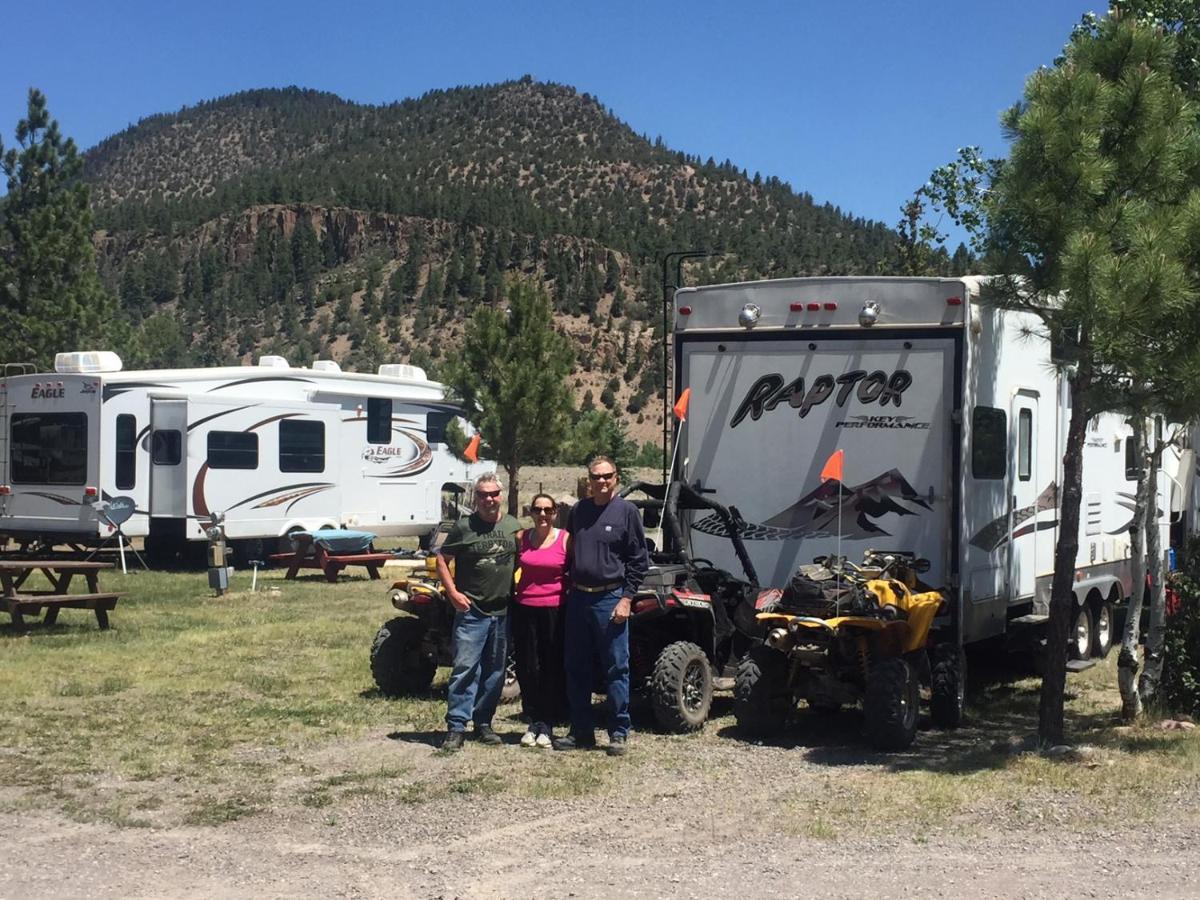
[
  {"x": 398, "y": 663},
  {"x": 891, "y": 704},
  {"x": 761, "y": 700},
  {"x": 1102, "y": 628},
  {"x": 681, "y": 688},
  {"x": 1079, "y": 639},
  {"x": 948, "y": 686}
]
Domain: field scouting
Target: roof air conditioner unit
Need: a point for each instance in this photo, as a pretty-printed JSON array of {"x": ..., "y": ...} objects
[
  {"x": 399, "y": 370},
  {"x": 87, "y": 361},
  {"x": 325, "y": 365},
  {"x": 273, "y": 362}
]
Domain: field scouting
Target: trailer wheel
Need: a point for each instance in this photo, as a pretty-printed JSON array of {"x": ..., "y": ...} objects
[
  {"x": 948, "y": 687},
  {"x": 681, "y": 687},
  {"x": 891, "y": 704},
  {"x": 1102, "y": 628},
  {"x": 761, "y": 700},
  {"x": 398, "y": 663},
  {"x": 1080, "y": 637}
]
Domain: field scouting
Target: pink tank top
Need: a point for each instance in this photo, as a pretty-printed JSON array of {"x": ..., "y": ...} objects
[{"x": 543, "y": 572}]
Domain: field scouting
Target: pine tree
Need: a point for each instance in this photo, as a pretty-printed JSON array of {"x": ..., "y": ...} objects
[
  {"x": 51, "y": 298},
  {"x": 511, "y": 377}
]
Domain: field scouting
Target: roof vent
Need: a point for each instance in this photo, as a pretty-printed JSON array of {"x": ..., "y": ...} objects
[
  {"x": 399, "y": 370},
  {"x": 86, "y": 361},
  {"x": 273, "y": 362},
  {"x": 325, "y": 365}
]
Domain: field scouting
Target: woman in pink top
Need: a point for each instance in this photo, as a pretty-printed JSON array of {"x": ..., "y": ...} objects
[{"x": 536, "y": 623}]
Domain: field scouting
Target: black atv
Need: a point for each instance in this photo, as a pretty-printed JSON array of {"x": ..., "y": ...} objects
[{"x": 691, "y": 622}]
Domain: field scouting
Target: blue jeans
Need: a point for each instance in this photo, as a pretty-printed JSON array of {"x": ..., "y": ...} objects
[
  {"x": 591, "y": 633},
  {"x": 480, "y": 653}
]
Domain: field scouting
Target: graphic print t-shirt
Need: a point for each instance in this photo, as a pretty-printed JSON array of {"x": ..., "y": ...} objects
[{"x": 484, "y": 556}]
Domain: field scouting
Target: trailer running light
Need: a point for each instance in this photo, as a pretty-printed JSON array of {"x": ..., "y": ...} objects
[
  {"x": 90, "y": 493},
  {"x": 5, "y": 490},
  {"x": 954, "y": 301},
  {"x": 830, "y": 307},
  {"x": 814, "y": 307},
  {"x": 685, "y": 310},
  {"x": 796, "y": 307}
]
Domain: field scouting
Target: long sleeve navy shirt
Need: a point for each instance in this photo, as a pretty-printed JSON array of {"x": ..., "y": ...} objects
[{"x": 607, "y": 545}]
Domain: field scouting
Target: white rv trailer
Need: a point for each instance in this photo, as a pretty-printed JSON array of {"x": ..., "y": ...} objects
[
  {"x": 273, "y": 447},
  {"x": 952, "y": 422}
]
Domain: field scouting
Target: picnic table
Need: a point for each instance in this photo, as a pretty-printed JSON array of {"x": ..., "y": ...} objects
[
  {"x": 324, "y": 550},
  {"x": 18, "y": 602}
]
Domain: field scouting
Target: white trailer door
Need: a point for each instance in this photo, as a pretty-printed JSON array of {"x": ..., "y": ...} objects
[
  {"x": 1024, "y": 506},
  {"x": 765, "y": 416},
  {"x": 168, "y": 458}
]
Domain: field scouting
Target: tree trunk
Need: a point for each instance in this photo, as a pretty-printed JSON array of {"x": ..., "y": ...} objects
[
  {"x": 1127, "y": 660},
  {"x": 1156, "y": 634},
  {"x": 1054, "y": 678},
  {"x": 514, "y": 488}
]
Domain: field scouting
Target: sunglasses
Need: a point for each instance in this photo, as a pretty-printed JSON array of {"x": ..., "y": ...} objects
[
  {"x": 487, "y": 493},
  {"x": 601, "y": 476},
  {"x": 543, "y": 510}
]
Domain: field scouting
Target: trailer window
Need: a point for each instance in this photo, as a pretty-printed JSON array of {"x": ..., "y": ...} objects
[
  {"x": 125, "y": 457},
  {"x": 989, "y": 442},
  {"x": 166, "y": 447},
  {"x": 1024, "y": 444},
  {"x": 232, "y": 450},
  {"x": 435, "y": 427},
  {"x": 301, "y": 446},
  {"x": 379, "y": 421},
  {"x": 49, "y": 448},
  {"x": 1133, "y": 465}
]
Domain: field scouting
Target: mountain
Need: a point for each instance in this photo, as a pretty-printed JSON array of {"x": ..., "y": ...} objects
[{"x": 292, "y": 221}]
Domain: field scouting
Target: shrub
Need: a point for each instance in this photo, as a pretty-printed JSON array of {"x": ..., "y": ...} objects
[{"x": 1181, "y": 651}]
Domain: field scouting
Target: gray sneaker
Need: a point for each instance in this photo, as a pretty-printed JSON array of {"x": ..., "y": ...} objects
[{"x": 486, "y": 735}]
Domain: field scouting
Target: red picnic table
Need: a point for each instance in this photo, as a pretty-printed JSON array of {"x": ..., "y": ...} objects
[
  {"x": 312, "y": 554},
  {"x": 59, "y": 572}
]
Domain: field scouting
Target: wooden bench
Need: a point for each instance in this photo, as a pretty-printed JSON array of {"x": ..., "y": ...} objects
[
  {"x": 18, "y": 603},
  {"x": 309, "y": 554}
]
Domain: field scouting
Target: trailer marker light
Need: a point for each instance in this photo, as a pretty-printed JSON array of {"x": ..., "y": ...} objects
[
  {"x": 5, "y": 490},
  {"x": 814, "y": 307},
  {"x": 830, "y": 306},
  {"x": 796, "y": 307},
  {"x": 954, "y": 301},
  {"x": 685, "y": 310},
  {"x": 90, "y": 493}
]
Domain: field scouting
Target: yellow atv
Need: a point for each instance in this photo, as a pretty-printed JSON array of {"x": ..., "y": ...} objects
[{"x": 842, "y": 634}]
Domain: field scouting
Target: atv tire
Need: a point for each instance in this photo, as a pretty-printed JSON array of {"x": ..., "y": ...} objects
[
  {"x": 891, "y": 704},
  {"x": 761, "y": 700},
  {"x": 681, "y": 688},
  {"x": 948, "y": 686},
  {"x": 398, "y": 664}
]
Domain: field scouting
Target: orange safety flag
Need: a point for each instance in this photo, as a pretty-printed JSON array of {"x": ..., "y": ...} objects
[
  {"x": 471, "y": 454},
  {"x": 681, "y": 404},
  {"x": 833, "y": 467}
]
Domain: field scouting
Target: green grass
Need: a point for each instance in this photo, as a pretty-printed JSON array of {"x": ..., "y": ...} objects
[{"x": 202, "y": 710}]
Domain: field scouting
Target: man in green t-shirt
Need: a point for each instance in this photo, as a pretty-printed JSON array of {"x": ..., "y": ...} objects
[{"x": 484, "y": 549}]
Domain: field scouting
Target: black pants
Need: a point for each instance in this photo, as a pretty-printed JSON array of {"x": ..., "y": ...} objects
[{"x": 537, "y": 633}]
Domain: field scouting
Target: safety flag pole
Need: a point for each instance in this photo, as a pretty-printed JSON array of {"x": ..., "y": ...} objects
[
  {"x": 471, "y": 453},
  {"x": 833, "y": 472},
  {"x": 680, "y": 410}
]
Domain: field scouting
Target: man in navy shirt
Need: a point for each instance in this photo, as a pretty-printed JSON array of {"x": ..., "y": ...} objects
[{"x": 608, "y": 563}]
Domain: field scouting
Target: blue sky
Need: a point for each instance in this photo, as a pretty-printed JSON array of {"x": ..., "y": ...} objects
[{"x": 854, "y": 103}]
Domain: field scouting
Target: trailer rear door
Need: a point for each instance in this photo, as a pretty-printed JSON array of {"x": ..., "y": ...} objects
[{"x": 766, "y": 416}]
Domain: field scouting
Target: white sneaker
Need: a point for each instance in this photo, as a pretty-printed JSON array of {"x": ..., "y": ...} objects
[
  {"x": 529, "y": 738},
  {"x": 545, "y": 736}
]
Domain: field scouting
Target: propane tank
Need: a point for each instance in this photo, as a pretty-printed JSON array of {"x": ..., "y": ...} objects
[{"x": 218, "y": 554}]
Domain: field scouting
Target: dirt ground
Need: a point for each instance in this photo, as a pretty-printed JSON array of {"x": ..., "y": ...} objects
[{"x": 697, "y": 816}]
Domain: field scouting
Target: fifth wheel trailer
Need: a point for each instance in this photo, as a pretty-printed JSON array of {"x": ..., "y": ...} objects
[
  {"x": 952, "y": 421},
  {"x": 275, "y": 448}
]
